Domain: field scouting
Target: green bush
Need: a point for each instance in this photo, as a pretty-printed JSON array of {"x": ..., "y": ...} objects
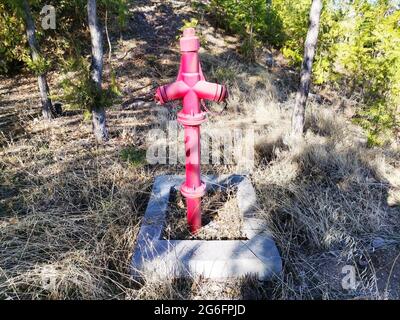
[
  {"x": 247, "y": 18},
  {"x": 359, "y": 52},
  {"x": 358, "y": 49},
  {"x": 12, "y": 38},
  {"x": 78, "y": 91},
  {"x": 69, "y": 37},
  {"x": 135, "y": 157}
]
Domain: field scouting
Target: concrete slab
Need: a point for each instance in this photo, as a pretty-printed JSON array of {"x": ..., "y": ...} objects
[{"x": 215, "y": 259}]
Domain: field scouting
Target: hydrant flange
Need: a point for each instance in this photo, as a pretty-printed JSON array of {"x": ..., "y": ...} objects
[
  {"x": 192, "y": 120},
  {"x": 193, "y": 193}
]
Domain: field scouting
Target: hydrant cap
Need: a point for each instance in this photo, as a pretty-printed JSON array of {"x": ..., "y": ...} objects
[
  {"x": 189, "y": 41},
  {"x": 189, "y": 32}
]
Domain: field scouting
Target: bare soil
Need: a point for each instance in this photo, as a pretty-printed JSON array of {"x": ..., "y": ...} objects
[{"x": 221, "y": 218}]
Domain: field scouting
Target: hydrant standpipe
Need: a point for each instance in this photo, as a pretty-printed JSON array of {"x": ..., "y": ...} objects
[{"x": 191, "y": 87}]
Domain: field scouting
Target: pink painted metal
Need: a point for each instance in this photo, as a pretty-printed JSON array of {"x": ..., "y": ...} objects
[{"x": 191, "y": 87}]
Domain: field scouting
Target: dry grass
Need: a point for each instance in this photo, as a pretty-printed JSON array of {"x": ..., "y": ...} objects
[
  {"x": 221, "y": 219},
  {"x": 68, "y": 234},
  {"x": 70, "y": 210},
  {"x": 327, "y": 199}
]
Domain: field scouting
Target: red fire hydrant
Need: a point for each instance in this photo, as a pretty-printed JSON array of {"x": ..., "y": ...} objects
[{"x": 191, "y": 87}]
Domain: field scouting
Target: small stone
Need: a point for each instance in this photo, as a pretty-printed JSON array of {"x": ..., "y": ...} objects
[
  {"x": 270, "y": 60},
  {"x": 137, "y": 104},
  {"x": 378, "y": 242}
]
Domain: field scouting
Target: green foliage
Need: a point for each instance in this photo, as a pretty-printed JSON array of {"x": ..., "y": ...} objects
[
  {"x": 38, "y": 66},
  {"x": 283, "y": 23},
  {"x": 192, "y": 23},
  {"x": 294, "y": 19},
  {"x": 135, "y": 157},
  {"x": 358, "y": 49},
  {"x": 78, "y": 90},
  {"x": 247, "y": 18},
  {"x": 118, "y": 8},
  {"x": 69, "y": 37},
  {"x": 67, "y": 46},
  {"x": 223, "y": 74},
  {"x": 12, "y": 48}
]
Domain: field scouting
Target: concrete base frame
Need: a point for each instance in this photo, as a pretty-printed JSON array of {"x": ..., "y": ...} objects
[{"x": 214, "y": 259}]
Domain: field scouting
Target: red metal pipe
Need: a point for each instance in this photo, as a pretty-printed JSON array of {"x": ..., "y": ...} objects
[{"x": 191, "y": 86}]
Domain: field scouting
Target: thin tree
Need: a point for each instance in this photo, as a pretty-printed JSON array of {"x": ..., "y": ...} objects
[
  {"x": 96, "y": 70},
  {"x": 306, "y": 69},
  {"x": 47, "y": 107}
]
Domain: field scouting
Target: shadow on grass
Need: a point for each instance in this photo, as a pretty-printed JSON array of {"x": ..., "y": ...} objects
[{"x": 330, "y": 211}]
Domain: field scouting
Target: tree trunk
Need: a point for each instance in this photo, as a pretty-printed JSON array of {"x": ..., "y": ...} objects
[
  {"x": 298, "y": 116},
  {"x": 47, "y": 107},
  {"x": 96, "y": 69}
]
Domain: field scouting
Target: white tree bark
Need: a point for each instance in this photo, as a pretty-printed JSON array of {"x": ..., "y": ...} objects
[
  {"x": 96, "y": 70},
  {"x": 47, "y": 107},
  {"x": 298, "y": 117}
]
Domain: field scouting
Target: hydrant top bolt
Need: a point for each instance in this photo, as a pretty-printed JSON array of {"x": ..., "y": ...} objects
[
  {"x": 189, "y": 32},
  {"x": 189, "y": 42}
]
